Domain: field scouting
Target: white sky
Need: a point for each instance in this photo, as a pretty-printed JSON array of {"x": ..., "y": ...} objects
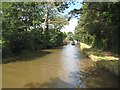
[
  {"x": 71, "y": 26},
  {"x": 73, "y": 22}
]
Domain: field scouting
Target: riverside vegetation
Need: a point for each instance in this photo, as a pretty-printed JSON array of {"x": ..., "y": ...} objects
[
  {"x": 31, "y": 26},
  {"x": 98, "y": 27}
]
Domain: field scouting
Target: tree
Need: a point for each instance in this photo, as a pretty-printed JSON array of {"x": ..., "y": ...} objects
[
  {"x": 98, "y": 25},
  {"x": 70, "y": 36},
  {"x": 22, "y": 24}
]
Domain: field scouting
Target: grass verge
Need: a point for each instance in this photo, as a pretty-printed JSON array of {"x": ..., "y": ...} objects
[{"x": 104, "y": 60}]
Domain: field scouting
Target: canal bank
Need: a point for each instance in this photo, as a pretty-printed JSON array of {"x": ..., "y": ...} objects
[{"x": 102, "y": 60}]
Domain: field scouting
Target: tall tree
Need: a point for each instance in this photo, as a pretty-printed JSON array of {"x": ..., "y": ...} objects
[
  {"x": 98, "y": 24},
  {"x": 23, "y": 25}
]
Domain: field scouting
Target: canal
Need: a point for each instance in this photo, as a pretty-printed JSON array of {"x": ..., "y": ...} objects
[{"x": 65, "y": 67}]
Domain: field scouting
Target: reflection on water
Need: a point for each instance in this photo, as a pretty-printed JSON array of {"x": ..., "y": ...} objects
[
  {"x": 66, "y": 67},
  {"x": 70, "y": 64}
]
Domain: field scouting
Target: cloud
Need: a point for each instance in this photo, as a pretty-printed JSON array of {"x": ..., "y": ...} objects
[{"x": 71, "y": 26}]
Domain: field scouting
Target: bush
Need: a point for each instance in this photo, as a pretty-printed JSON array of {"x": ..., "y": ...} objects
[{"x": 6, "y": 51}]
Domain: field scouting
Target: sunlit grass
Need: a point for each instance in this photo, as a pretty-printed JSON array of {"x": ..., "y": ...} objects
[
  {"x": 104, "y": 60},
  {"x": 99, "y": 58},
  {"x": 84, "y": 46},
  {"x": 95, "y": 54}
]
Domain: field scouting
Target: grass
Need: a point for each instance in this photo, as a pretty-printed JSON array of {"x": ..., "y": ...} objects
[
  {"x": 103, "y": 60},
  {"x": 97, "y": 54}
]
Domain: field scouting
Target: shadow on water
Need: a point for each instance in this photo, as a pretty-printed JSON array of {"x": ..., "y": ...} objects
[
  {"x": 96, "y": 78},
  {"x": 26, "y": 56},
  {"x": 93, "y": 78},
  {"x": 53, "y": 83}
]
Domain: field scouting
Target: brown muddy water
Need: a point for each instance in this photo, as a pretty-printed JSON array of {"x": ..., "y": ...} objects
[{"x": 65, "y": 67}]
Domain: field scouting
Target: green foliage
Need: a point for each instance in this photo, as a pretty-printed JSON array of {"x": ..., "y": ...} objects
[
  {"x": 31, "y": 26},
  {"x": 6, "y": 51},
  {"x": 99, "y": 25},
  {"x": 70, "y": 36}
]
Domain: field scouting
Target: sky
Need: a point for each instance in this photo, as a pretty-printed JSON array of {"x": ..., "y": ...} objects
[{"x": 70, "y": 27}]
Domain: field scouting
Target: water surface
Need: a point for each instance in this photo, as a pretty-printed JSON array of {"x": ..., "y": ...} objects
[{"x": 65, "y": 67}]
